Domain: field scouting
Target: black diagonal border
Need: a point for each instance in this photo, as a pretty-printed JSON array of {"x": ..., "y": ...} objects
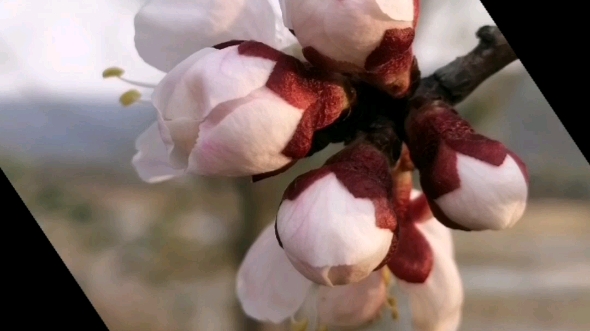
[
  {"x": 542, "y": 36},
  {"x": 42, "y": 293}
]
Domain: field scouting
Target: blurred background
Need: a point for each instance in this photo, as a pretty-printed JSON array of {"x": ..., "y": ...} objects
[{"x": 163, "y": 256}]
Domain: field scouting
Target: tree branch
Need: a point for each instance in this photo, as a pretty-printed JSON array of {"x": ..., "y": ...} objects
[
  {"x": 450, "y": 84},
  {"x": 458, "y": 79}
]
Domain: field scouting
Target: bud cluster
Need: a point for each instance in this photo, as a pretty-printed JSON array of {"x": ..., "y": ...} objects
[
  {"x": 245, "y": 108},
  {"x": 253, "y": 107}
]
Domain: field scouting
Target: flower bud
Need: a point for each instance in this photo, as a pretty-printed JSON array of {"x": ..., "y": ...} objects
[
  {"x": 471, "y": 182},
  {"x": 372, "y": 38},
  {"x": 336, "y": 223},
  {"x": 270, "y": 289},
  {"x": 245, "y": 109}
]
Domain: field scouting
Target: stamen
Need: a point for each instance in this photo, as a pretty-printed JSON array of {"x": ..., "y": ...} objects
[
  {"x": 130, "y": 97},
  {"x": 140, "y": 84},
  {"x": 117, "y": 72},
  {"x": 392, "y": 305},
  {"x": 387, "y": 277}
]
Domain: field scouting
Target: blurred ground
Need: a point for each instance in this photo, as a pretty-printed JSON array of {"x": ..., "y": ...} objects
[
  {"x": 162, "y": 257},
  {"x": 535, "y": 276}
]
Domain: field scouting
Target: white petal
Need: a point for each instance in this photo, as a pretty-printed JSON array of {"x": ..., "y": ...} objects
[
  {"x": 399, "y": 10},
  {"x": 434, "y": 230},
  {"x": 208, "y": 78},
  {"x": 268, "y": 286},
  {"x": 173, "y": 96},
  {"x": 308, "y": 311},
  {"x": 295, "y": 50},
  {"x": 168, "y": 31},
  {"x": 177, "y": 115},
  {"x": 249, "y": 139},
  {"x": 151, "y": 159},
  {"x": 354, "y": 304},
  {"x": 346, "y": 31},
  {"x": 437, "y": 304},
  {"x": 187, "y": 94},
  {"x": 226, "y": 76},
  {"x": 182, "y": 135},
  {"x": 284, "y": 37},
  {"x": 330, "y": 236},
  {"x": 490, "y": 197}
]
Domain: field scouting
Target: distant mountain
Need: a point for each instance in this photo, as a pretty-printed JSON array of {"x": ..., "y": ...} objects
[{"x": 61, "y": 132}]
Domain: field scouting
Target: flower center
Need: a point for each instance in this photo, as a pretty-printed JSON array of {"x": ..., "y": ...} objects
[{"x": 132, "y": 96}]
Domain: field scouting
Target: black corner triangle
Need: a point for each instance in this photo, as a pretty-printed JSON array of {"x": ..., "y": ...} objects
[
  {"x": 544, "y": 39},
  {"x": 42, "y": 293}
]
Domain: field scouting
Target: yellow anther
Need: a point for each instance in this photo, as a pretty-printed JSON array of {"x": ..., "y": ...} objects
[
  {"x": 130, "y": 97},
  {"x": 392, "y": 305},
  {"x": 299, "y": 325},
  {"x": 113, "y": 72},
  {"x": 387, "y": 276},
  {"x": 391, "y": 302},
  {"x": 394, "y": 314}
]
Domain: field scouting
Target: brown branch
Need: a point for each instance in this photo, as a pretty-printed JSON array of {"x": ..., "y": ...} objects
[{"x": 458, "y": 79}]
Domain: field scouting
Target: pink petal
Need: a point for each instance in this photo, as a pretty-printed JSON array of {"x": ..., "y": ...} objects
[
  {"x": 174, "y": 97},
  {"x": 437, "y": 303},
  {"x": 399, "y": 10},
  {"x": 268, "y": 287},
  {"x": 206, "y": 79},
  {"x": 245, "y": 137},
  {"x": 355, "y": 304}
]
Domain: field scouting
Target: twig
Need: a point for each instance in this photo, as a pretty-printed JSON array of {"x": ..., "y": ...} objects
[{"x": 457, "y": 80}]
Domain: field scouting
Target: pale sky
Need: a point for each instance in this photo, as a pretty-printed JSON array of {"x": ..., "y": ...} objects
[{"x": 58, "y": 49}]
